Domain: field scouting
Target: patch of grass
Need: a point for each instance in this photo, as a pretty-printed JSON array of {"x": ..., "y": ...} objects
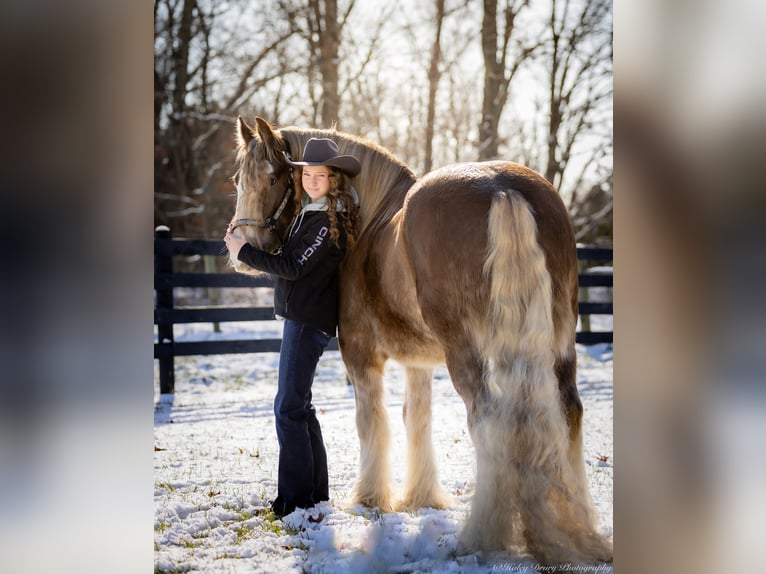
[
  {"x": 261, "y": 492},
  {"x": 292, "y": 531},
  {"x": 162, "y": 526},
  {"x": 272, "y": 524},
  {"x": 227, "y": 556},
  {"x": 242, "y": 532},
  {"x": 167, "y": 486},
  {"x": 371, "y": 514},
  {"x": 273, "y": 527},
  {"x": 236, "y": 383},
  {"x": 158, "y": 570}
]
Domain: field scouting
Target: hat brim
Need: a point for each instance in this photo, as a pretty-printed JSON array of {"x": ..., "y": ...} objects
[{"x": 346, "y": 163}]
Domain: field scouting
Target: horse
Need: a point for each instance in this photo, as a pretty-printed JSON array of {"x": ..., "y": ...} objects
[{"x": 473, "y": 265}]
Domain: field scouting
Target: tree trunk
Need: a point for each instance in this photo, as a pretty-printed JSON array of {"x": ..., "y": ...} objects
[
  {"x": 493, "y": 76},
  {"x": 552, "y": 167},
  {"x": 579, "y": 64},
  {"x": 180, "y": 135},
  {"x": 329, "y": 42},
  {"x": 497, "y": 75},
  {"x": 433, "y": 83}
]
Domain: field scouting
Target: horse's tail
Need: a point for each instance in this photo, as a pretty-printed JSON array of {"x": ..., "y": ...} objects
[{"x": 526, "y": 489}]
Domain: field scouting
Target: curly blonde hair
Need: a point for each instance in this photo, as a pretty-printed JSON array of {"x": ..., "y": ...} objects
[{"x": 340, "y": 192}]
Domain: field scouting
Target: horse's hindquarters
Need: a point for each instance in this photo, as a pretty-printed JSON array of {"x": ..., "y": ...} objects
[
  {"x": 445, "y": 228},
  {"x": 494, "y": 263}
]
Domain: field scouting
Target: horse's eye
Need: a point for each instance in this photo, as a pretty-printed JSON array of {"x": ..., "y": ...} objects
[{"x": 273, "y": 181}]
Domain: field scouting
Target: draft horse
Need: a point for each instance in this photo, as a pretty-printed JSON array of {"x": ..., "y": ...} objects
[{"x": 473, "y": 265}]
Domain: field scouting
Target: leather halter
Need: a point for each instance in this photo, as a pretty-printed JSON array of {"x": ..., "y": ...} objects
[{"x": 269, "y": 222}]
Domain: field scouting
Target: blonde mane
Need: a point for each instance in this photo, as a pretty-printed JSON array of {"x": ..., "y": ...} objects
[{"x": 382, "y": 183}]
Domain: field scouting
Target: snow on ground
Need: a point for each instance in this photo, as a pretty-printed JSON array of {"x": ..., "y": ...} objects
[{"x": 215, "y": 472}]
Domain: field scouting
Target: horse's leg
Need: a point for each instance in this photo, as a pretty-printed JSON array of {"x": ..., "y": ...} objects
[
  {"x": 566, "y": 372},
  {"x": 466, "y": 368},
  {"x": 373, "y": 486},
  {"x": 422, "y": 487},
  {"x": 490, "y": 521}
]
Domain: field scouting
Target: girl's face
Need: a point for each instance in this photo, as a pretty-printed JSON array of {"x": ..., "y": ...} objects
[{"x": 316, "y": 181}]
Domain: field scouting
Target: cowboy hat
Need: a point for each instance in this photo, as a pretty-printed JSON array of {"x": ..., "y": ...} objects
[{"x": 324, "y": 151}]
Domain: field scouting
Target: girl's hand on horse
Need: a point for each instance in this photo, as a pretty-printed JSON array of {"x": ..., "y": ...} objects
[{"x": 234, "y": 241}]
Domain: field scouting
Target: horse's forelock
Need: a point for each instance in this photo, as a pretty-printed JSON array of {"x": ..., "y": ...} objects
[
  {"x": 271, "y": 154},
  {"x": 256, "y": 156}
]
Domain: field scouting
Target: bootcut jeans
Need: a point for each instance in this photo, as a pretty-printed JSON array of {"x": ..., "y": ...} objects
[{"x": 302, "y": 477}]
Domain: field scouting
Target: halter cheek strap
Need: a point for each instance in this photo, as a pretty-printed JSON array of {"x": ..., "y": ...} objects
[
  {"x": 274, "y": 217},
  {"x": 269, "y": 222}
]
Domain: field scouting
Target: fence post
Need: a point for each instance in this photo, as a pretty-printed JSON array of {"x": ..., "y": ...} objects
[
  {"x": 212, "y": 293},
  {"x": 582, "y": 297},
  {"x": 163, "y": 264}
]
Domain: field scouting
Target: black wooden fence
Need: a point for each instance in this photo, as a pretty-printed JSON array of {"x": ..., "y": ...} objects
[{"x": 166, "y": 314}]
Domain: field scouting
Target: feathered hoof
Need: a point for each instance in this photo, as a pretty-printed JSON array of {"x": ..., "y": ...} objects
[
  {"x": 381, "y": 501},
  {"x": 466, "y": 546},
  {"x": 436, "y": 498},
  {"x": 473, "y": 538},
  {"x": 590, "y": 550}
]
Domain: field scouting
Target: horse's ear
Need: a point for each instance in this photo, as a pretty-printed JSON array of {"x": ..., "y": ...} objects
[
  {"x": 266, "y": 132},
  {"x": 244, "y": 132}
]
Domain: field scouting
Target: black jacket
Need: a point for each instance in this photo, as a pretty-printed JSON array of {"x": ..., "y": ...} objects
[{"x": 307, "y": 272}]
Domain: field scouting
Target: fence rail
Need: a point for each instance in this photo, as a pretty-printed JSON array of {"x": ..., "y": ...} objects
[{"x": 166, "y": 314}]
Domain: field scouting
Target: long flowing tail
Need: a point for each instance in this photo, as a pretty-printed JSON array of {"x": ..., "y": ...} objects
[{"x": 526, "y": 489}]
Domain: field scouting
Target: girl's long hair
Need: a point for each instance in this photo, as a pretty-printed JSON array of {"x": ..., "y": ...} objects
[{"x": 340, "y": 191}]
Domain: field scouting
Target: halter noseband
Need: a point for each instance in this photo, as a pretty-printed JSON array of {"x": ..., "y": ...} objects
[{"x": 270, "y": 222}]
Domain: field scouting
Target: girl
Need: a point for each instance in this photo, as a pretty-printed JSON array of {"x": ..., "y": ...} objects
[{"x": 306, "y": 297}]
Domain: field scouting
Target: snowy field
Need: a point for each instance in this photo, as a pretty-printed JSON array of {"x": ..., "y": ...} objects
[{"x": 215, "y": 471}]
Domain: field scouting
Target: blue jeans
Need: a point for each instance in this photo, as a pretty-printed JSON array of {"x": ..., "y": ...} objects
[{"x": 302, "y": 478}]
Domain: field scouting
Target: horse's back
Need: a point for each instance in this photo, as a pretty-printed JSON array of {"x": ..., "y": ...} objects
[{"x": 460, "y": 194}]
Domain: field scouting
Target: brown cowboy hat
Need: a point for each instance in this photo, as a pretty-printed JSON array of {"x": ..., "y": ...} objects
[{"x": 324, "y": 151}]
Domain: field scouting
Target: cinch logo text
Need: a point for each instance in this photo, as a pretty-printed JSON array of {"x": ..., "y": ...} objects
[{"x": 314, "y": 246}]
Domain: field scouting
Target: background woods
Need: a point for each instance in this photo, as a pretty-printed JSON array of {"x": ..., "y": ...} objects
[{"x": 435, "y": 82}]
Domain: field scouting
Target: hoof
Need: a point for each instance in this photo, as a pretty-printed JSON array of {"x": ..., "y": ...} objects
[
  {"x": 438, "y": 499},
  {"x": 381, "y": 502}
]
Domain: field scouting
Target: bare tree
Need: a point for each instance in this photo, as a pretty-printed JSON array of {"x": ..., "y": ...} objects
[
  {"x": 434, "y": 74},
  {"x": 321, "y": 25},
  {"x": 579, "y": 62},
  {"x": 176, "y": 77},
  {"x": 404, "y": 75},
  {"x": 329, "y": 42},
  {"x": 502, "y": 59},
  {"x": 206, "y": 67},
  {"x": 578, "y": 139}
]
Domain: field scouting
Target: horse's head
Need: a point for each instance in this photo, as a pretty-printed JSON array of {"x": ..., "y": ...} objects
[{"x": 267, "y": 197}]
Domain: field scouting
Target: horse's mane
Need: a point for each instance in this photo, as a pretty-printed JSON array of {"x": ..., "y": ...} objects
[{"x": 383, "y": 181}]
